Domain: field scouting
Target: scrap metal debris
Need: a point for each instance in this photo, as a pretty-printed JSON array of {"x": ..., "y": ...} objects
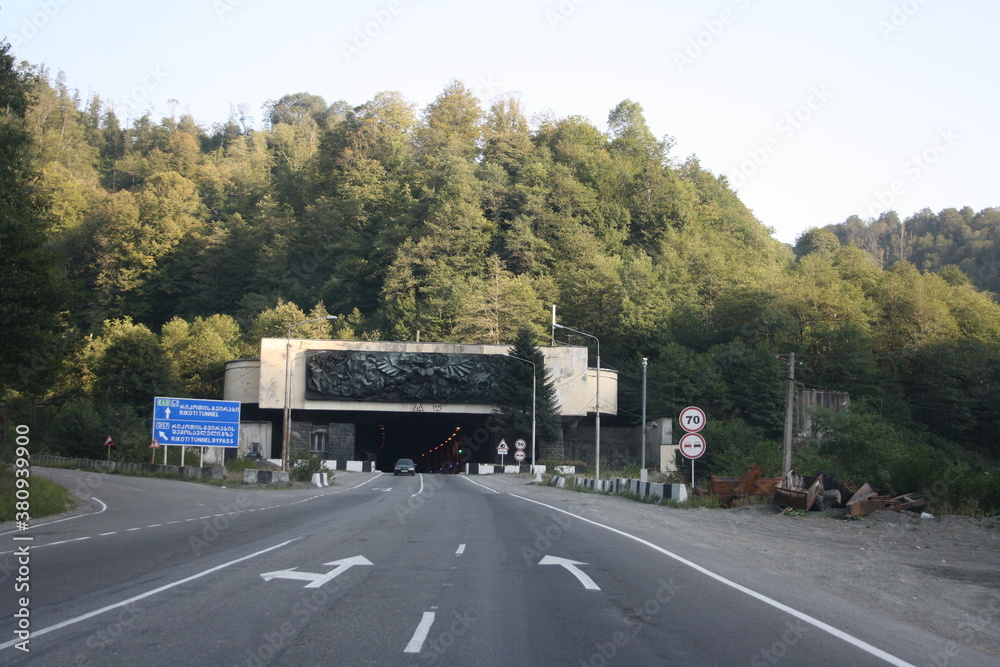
[
  {"x": 798, "y": 491},
  {"x": 807, "y": 492},
  {"x": 734, "y": 490},
  {"x": 867, "y": 500}
]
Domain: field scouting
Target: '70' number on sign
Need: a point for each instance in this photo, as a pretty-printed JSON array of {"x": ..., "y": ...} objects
[{"x": 692, "y": 419}]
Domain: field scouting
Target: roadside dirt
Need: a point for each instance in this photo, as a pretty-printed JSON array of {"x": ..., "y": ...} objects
[{"x": 940, "y": 574}]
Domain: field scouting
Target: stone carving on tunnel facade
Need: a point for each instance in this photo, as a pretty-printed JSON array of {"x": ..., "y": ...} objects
[{"x": 403, "y": 376}]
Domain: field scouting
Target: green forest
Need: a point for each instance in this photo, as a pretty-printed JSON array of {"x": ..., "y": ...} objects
[{"x": 139, "y": 255}]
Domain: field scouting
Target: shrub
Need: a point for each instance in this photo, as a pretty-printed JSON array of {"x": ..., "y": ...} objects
[{"x": 305, "y": 466}]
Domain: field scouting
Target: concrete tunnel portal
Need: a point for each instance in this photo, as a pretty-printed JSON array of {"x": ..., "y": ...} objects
[{"x": 377, "y": 401}]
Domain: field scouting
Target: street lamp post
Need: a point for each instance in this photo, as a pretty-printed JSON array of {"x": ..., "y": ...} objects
[
  {"x": 645, "y": 362},
  {"x": 287, "y": 426},
  {"x": 597, "y": 400},
  {"x": 534, "y": 403}
]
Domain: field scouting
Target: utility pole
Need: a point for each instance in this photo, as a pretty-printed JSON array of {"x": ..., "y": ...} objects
[
  {"x": 642, "y": 469},
  {"x": 789, "y": 416}
]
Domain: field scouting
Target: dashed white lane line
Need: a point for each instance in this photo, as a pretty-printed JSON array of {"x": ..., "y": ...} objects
[
  {"x": 104, "y": 507},
  {"x": 461, "y": 550},
  {"x": 123, "y": 603},
  {"x": 420, "y": 634}
]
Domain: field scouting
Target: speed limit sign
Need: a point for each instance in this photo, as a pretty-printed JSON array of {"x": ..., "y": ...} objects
[{"x": 692, "y": 419}]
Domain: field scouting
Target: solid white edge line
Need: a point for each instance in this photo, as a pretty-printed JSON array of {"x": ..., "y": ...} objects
[
  {"x": 482, "y": 485},
  {"x": 350, "y": 488},
  {"x": 815, "y": 622},
  {"x": 421, "y": 489},
  {"x": 420, "y": 634},
  {"x": 110, "y": 607},
  {"x": 104, "y": 508}
]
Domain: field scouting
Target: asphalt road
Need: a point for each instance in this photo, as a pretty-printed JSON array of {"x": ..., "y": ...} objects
[{"x": 384, "y": 570}]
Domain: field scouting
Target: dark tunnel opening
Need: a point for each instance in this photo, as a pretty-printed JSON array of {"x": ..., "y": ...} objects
[{"x": 437, "y": 443}]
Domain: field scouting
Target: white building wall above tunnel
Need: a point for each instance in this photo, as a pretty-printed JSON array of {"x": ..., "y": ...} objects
[{"x": 575, "y": 383}]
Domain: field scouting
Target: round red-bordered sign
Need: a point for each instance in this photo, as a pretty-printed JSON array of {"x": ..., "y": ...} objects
[
  {"x": 692, "y": 445},
  {"x": 692, "y": 419}
]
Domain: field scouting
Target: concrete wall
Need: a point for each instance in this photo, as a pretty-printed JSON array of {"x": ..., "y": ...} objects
[
  {"x": 574, "y": 382},
  {"x": 242, "y": 381},
  {"x": 808, "y": 400},
  {"x": 255, "y": 432}
]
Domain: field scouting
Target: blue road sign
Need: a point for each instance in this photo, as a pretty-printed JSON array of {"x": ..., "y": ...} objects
[{"x": 196, "y": 422}]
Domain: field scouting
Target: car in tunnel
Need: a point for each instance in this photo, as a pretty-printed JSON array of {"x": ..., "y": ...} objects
[{"x": 405, "y": 467}]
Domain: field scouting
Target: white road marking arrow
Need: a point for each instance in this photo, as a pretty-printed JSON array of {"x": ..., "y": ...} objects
[
  {"x": 571, "y": 565},
  {"x": 316, "y": 580}
]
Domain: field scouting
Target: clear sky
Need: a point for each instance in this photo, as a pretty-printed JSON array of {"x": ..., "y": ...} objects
[{"x": 815, "y": 110}]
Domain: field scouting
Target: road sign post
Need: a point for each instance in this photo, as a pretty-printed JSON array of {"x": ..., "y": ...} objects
[
  {"x": 692, "y": 445},
  {"x": 195, "y": 421}
]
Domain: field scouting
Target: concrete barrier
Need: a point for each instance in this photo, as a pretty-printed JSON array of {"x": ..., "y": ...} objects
[
  {"x": 350, "y": 466},
  {"x": 193, "y": 472},
  {"x": 320, "y": 479},
  {"x": 635, "y": 487},
  {"x": 254, "y": 476}
]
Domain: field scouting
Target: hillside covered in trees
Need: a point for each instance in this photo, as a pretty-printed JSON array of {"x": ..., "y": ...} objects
[{"x": 140, "y": 255}]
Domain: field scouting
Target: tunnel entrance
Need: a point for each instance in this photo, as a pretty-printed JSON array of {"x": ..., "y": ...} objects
[{"x": 438, "y": 444}]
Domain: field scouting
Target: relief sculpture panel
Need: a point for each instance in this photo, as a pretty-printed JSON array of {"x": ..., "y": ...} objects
[{"x": 403, "y": 376}]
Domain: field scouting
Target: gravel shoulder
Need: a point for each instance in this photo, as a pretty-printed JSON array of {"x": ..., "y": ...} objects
[{"x": 940, "y": 574}]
